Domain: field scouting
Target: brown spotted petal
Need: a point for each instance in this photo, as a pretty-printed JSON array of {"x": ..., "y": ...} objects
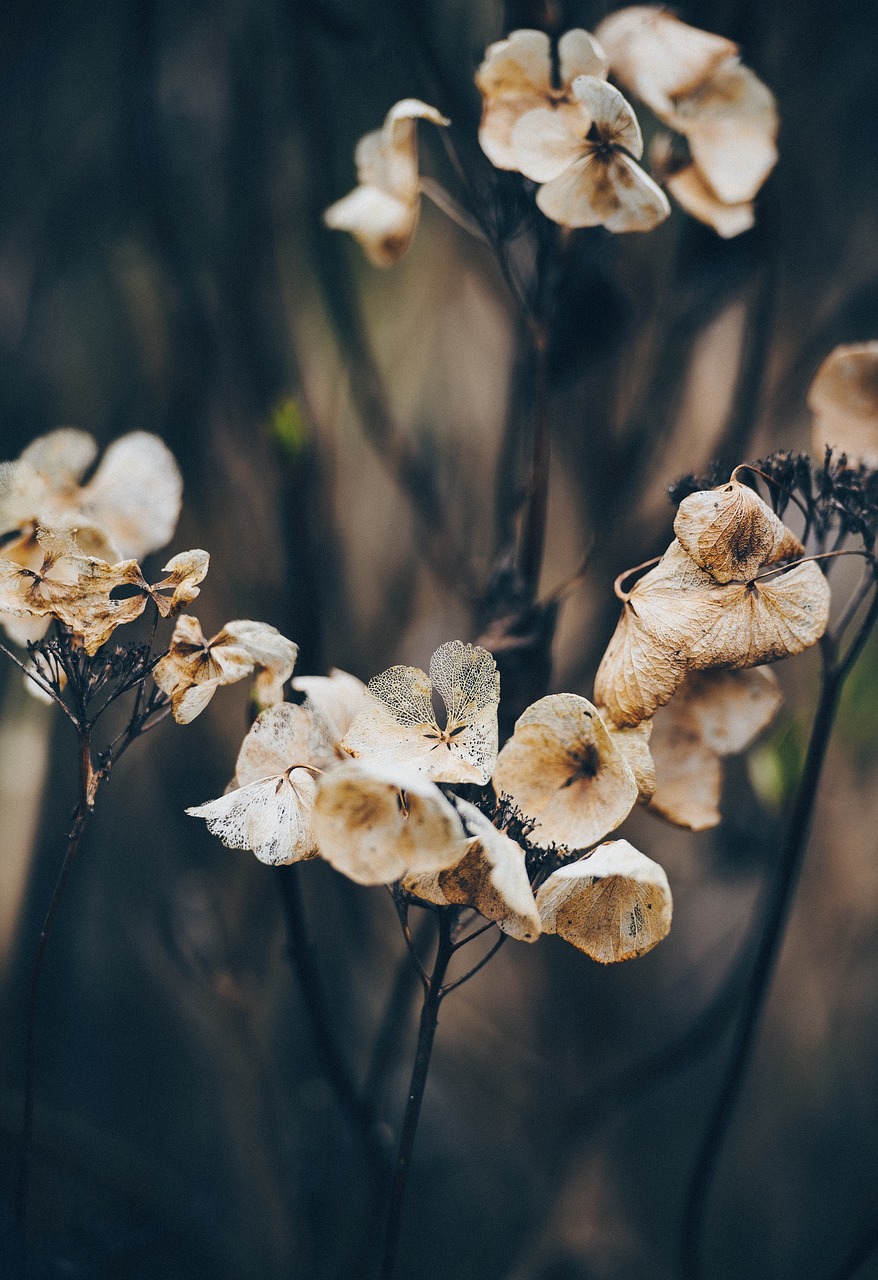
[
  {"x": 377, "y": 823},
  {"x": 563, "y": 771},
  {"x": 397, "y": 724},
  {"x": 713, "y": 714},
  {"x": 194, "y": 667},
  {"x": 843, "y": 397},
  {"x": 491, "y": 877},
  {"x": 181, "y": 585},
  {"x": 283, "y": 737},
  {"x": 731, "y": 533},
  {"x": 613, "y": 905},
  {"x": 88, "y": 607}
]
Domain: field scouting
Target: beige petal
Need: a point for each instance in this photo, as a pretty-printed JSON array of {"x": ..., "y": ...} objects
[
  {"x": 272, "y": 817},
  {"x": 688, "y": 774},
  {"x": 637, "y": 674},
  {"x": 633, "y": 743},
  {"x": 335, "y": 700},
  {"x": 273, "y": 655},
  {"x": 467, "y": 678},
  {"x": 583, "y": 195},
  {"x": 62, "y": 456},
  {"x": 387, "y": 158},
  {"x": 730, "y": 708},
  {"x": 642, "y": 204},
  {"x": 491, "y": 877},
  {"x": 613, "y": 905},
  {"x": 382, "y": 224},
  {"x": 283, "y": 737},
  {"x": 24, "y": 497},
  {"x": 731, "y": 533},
  {"x": 613, "y": 116},
  {"x": 694, "y": 195},
  {"x": 563, "y": 771},
  {"x": 657, "y": 57},
  {"x": 376, "y": 824},
  {"x": 843, "y": 397},
  {"x": 731, "y": 125},
  {"x": 580, "y": 54},
  {"x": 545, "y": 143},
  {"x": 86, "y": 605},
  {"x": 189, "y": 701},
  {"x": 135, "y": 495},
  {"x": 180, "y": 586}
]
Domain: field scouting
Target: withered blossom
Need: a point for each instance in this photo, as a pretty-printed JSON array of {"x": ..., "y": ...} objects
[
  {"x": 398, "y": 726},
  {"x": 334, "y": 700},
  {"x": 382, "y": 211},
  {"x": 695, "y": 83},
  {"x": 843, "y": 398},
  {"x": 586, "y": 160},
  {"x": 516, "y": 77},
  {"x": 269, "y": 811},
  {"x": 613, "y": 905},
  {"x": 562, "y": 768},
  {"x": 731, "y": 533},
  {"x": 377, "y": 822},
  {"x": 29, "y": 596},
  {"x": 194, "y": 667}
]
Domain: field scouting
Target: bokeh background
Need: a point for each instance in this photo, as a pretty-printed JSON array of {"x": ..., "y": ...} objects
[{"x": 163, "y": 266}]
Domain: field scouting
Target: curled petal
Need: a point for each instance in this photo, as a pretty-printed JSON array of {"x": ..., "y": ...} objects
[
  {"x": 184, "y": 573},
  {"x": 381, "y": 223},
  {"x": 731, "y": 533},
  {"x": 273, "y": 655},
  {"x": 613, "y": 905},
  {"x": 692, "y": 193}
]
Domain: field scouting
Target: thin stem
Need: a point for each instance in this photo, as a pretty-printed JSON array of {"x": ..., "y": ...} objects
[
  {"x": 356, "y": 1108},
  {"x": 41, "y": 684},
  {"x": 782, "y": 488},
  {"x": 471, "y": 973},
  {"x": 625, "y": 596},
  {"x": 853, "y": 604},
  {"x": 402, "y": 910},
  {"x": 426, "y": 1035},
  {"x": 452, "y": 209}
]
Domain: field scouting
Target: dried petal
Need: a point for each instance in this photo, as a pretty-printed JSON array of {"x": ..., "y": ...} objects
[
  {"x": 63, "y": 456},
  {"x": 272, "y": 817},
  {"x": 284, "y": 737},
  {"x": 335, "y": 700},
  {"x": 690, "y": 190},
  {"x": 135, "y": 495},
  {"x": 613, "y": 116},
  {"x": 273, "y": 655},
  {"x": 634, "y": 744},
  {"x": 562, "y": 769},
  {"x": 376, "y": 823},
  {"x": 184, "y": 572},
  {"x": 731, "y": 533},
  {"x": 515, "y": 77},
  {"x": 613, "y": 905},
  {"x": 843, "y": 397}
]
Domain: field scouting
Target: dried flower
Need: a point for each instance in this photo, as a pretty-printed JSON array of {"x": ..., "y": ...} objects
[
  {"x": 516, "y": 77},
  {"x": 613, "y": 905},
  {"x": 398, "y": 726},
  {"x": 585, "y": 157},
  {"x": 334, "y": 700},
  {"x": 382, "y": 211},
  {"x": 731, "y": 533},
  {"x": 843, "y": 397}
]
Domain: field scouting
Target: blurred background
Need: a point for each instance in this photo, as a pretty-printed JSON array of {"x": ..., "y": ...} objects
[{"x": 352, "y": 443}]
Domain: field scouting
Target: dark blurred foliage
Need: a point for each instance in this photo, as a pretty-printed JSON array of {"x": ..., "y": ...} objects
[{"x": 352, "y": 445}]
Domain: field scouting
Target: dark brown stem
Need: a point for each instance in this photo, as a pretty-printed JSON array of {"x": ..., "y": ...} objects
[{"x": 426, "y": 1035}]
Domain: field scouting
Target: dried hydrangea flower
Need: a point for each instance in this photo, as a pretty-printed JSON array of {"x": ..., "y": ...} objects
[
  {"x": 694, "y": 81},
  {"x": 269, "y": 811},
  {"x": 128, "y": 508},
  {"x": 29, "y": 593},
  {"x": 516, "y": 77},
  {"x": 194, "y": 668},
  {"x": 634, "y": 743},
  {"x": 613, "y": 905},
  {"x": 843, "y": 397},
  {"x": 712, "y": 715},
  {"x": 586, "y": 160},
  {"x": 491, "y": 877},
  {"x": 731, "y": 533},
  {"x": 398, "y": 725},
  {"x": 92, "y": 611},
  {"x": 377, "y": 822},
  {"x": 693, "y": 193},
  {"x": 562, "y": 768},
  {"x": 335, "y": 700},
  {"x": 382, "y": 211}
]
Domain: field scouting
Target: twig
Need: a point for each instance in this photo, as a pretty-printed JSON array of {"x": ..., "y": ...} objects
[
  {"x": 471, "y": 973},
  {"x": 41, "y": 684}
]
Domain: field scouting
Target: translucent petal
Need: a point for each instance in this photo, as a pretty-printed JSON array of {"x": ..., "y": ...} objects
[
  {"x": 731, "y": 533},
  {"x": 271, "y": 817},
  {"x": 694, "y": 195},
  {"x": 545, "y": 142},
  {"x": 335, "y": 700},
  {"x": 843, "y": 397},
  {"x": 581, "y": 196},
  {"x": 135, "y": 495},
  {"x": 376, "y": 824},
  {"x": 180, "y": 586},
  {"x": 614, "y": 905},
  {"x": 272, "y": 653},
  {"x": 190, "y": 700},
  {"x": 281, "y": 737},
  {"x": 633, "y": 742},
  {"x": 562, "y": 769},
  {"x": 381, "y": 223}
]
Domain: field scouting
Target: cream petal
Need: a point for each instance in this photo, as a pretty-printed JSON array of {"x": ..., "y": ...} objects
[
  {"x": 731, "y": 533},
  {"x": 271, "y": 817},
  {"x": 135, "y": 495},
  {"x": 613, "y": 115},
  {"x": 467, "y": 678},
  {"x": 633, "y": 743},
  {"x": 580, "y": 54},
  {"x": 582, "y": 196},
  {"x": 279, "y": 738},
  {"x": 382, "y": 224},
  {"x": 190, "y": 701},
  {"x": 642, "y": 204},
  {"x": 688, "y": 774},
  {"x": 614, "y": 905},
  {"x": 376, "y": 824},
  {"x": 694, "y": 195},
  {"x": 273, "y": 654},
  {"x": 62, "y": 456},
  {"x": 335, "y": 700},
  {"x": 545, "y": 143},
  {"x": 520, "y": 64},
  {"x": 24, "y": 496},
  {"x": 562, "y": 769},
  {"x": 843, "y": 397},
  {"x": 637, "y": 674}
]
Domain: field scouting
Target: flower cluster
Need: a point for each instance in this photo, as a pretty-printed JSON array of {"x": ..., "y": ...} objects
[{"x": 388, "y": 792}]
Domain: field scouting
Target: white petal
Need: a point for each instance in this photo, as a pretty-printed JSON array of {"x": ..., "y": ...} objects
[
  {"x": 612, "y": 114},
  {"x": 271, "y": 817},
  {"x": 382, "y": 224},
  {"x": 545, "y": 143},
  {"x": 694, "y": 195},
  {"x": 580, "y": 54},
  {"x": 62, "y": 456},
  {"x": 278, "y": 739},
  {"x": 135, "y": 495},
  {"x": 642, "y": 205}
]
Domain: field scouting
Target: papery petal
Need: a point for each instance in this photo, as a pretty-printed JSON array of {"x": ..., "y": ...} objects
[
  {"x": 634, "y": 744},
  {"x": 87, "y": 606},
  {"x": 335, "y": 700},
  {"x": 545, "y": 142},
  {"x": 580, "y": 54},
  {"x": 271, "y": 817},
  {"x": 184, "y": 572},
  {"x": 62, "y": 456},
  {"x": 843, "y": 397},
  {"x": 274, "y": 656},
  {"x": 24, "y": 495},
  {"x": 381, "y": 223},
  {"x": 467, "y": 678},
  {"x": 562, "y": 770},
  {"x": 491, "y": 877},
  {"x": 731, "y": 533},
  {"x": 515, "y": 77},
  {"x": 613, "y": 905},
  {"x": 637, "y": 674},
  {"x": 694, "y": 195},
  {"x": 135, "y": 495},
  {"x": 611, "y": 112},
  {"x": 642, "y": 204},
  {"x": 581, "y": 196},
  {"x": 281, "y": 737},
  {"x": 190, "y": 700},
  {"x": 376, "y": 824}
]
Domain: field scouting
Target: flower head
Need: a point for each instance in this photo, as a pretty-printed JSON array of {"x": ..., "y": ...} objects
[
  {"x": 382, "y": 211},
  {"x": 586, "y": 160}
]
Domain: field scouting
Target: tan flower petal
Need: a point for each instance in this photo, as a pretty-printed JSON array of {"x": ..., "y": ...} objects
[
  {"x": 62, "y": 456},
  {"x": 87, "y": 606},
  {"x": 657, "y": 57},
  {"x": 272, "y": 817},
  {"x": 376, "y": 824},
  {"x": 642, "y": 204},
  {"x": 694, "y": 195},
  {"x": 613, "y": 905},
  {"x": 135, "y": 495},
  {"x": 514, "y": 77},
  {"x": 382, "y": 225},
  {"x": 335, "y": 700},
  {"x": 714, "y": 714},
  {"x": 562, "y": 770},
  {"x": 544, "y": 143},
  {"x": 491, "y": 877},
  {"x": 466, "y": 676},
  {"x": 843, "y": 397},
  {"x": 274, "y": 657},
  {"x": 283, "y": 737},
  {"x": 180, "y": 587},
  {"x": 634, "y": 744},
  {"x": 189, "y": 701},
  {"x": 613, "y": 116},
  {"x": 731, "y": 533},
  {"x": 580, "y": 54},
  {"x": 610, "y": 191}
]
